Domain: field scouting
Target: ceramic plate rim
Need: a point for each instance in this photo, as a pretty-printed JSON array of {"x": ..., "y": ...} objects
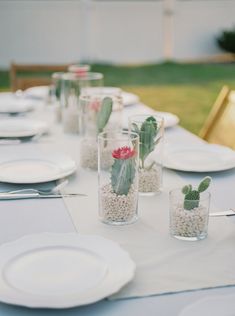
[
  {"x": 41, "y": 127},
  {"x": 70, "y": 239},
  {"x": 175, "y": 119},
  {"x": 37, "y": 93},
  {"x": 25, "y": 105},
  {"x": 126, "y": 94},
  {"x": 40, "y": 156},
  {"x": 205, "y": 147}
]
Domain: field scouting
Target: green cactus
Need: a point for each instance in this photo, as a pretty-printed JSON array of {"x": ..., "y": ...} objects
[
  {"x": 104, "y": 114},
  {"x": 147, "y": 133},
  {"x": 123, "y": 174},
  {"x": 204, "y": 184},
  {"x": 192, "y": 197}
]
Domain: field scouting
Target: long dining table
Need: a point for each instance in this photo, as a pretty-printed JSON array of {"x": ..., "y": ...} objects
[{"x": 24, "y": 217}]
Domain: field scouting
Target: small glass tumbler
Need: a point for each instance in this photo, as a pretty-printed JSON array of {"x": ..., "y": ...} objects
[
  {"x": 118, "y": 184},
  {"x": 189, "y": 218},
  {"x": 99, "y": 113},
  {"x": 70, "y": 91},
  {"x": 150, "y": 129}
]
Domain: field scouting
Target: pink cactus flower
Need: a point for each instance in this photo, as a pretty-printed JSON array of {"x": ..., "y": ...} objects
[{"x": 123, "y": 153}]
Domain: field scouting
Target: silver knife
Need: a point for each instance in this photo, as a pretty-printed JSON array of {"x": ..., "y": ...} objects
[{"x": 18, "y": 196}]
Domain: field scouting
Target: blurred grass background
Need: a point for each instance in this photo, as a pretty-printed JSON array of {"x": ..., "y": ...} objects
[{"x": 188, "y": 90}]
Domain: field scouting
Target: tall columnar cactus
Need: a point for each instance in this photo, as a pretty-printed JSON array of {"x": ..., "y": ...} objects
[
  {"x": 104, "y": 113},
  {"x": 147, "y": 133},
  {"x": 123, "y": 170},
  {"x": 192, "y": 197}
]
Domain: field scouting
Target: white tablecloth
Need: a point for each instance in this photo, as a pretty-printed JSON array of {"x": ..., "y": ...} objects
[{"x": 24, "y": 217}]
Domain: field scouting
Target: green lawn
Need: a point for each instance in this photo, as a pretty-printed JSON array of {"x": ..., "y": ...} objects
[{"x": 187, "y": 90}]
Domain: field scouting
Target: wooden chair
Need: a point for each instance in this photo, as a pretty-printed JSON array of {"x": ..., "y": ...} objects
[
  {"x": 25, "y": 76},
  {"x": 219, "y": 127}
]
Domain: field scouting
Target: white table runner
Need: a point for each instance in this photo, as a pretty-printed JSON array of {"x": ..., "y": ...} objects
[{"x": 164, "y": 264}]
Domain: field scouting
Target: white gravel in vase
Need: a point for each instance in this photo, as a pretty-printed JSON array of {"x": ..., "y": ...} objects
[
  {"x": 89, "y": 155},
  {"x": 70, "y": 120},
  {"x": 189, "y": 223},
  {"x": 150, "y": 180},
  {"x": 118, "y": 208}
]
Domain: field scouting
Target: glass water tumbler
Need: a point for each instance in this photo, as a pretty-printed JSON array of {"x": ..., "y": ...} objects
[
  {"x": 118, "y": 182},
  {"x": 188, "y": 217},
  {"x": 99, "y": 113},
  {"x": 70, "y": 91},
  {"x": 150, "y": 129}
]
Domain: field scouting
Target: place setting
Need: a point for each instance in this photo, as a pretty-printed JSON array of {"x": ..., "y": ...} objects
[
  {"x": 11, "y": 104},
  {"x": 170, "y": 119},
  {"x": 200, "y": 158},
  {"x": 33, "y": 272},
  {"x": 16, "y": 130}
]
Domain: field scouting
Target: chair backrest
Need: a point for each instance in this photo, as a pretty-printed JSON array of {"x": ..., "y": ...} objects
[
  {"x": 219, "y": 127},
  {"x": 25, "y": 76}
]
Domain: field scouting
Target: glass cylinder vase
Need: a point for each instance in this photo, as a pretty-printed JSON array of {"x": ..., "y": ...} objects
[
  {"x": 100, "y": 112},
  {"x": 118, "y": 183},
  {"x": 70, "y": 91},
  {"x": 189, "y": 218},
  {"x": 150, "y": 129},
  {"x": 56, "y": 93}
]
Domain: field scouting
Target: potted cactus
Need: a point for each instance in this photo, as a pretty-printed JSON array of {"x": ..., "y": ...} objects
[
  {"x": 96, "y": 120},
  {"x": 189, "y": 210},
  {"x": 118, "y": 186},
  {"x": 150, "y": 131}
]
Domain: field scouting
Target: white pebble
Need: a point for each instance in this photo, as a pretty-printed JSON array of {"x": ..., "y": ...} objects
[
  {"x": 118, "y": 208},
  {"x": 189, "y": 223},
  {"x": 150, "y": 180}
]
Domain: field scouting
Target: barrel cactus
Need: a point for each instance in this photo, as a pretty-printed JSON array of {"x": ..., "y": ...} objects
[
  {"x": 192, "y": 197},
  {"x": 123, "y": 170}
]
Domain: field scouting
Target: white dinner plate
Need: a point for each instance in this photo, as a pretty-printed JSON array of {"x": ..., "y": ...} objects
[
  {"x": 170, "y": 119},
  {"x": 62, "y": 270},
  {"x": 42, "y": 92},
  {"x": 21, "y": 127},
  {"x": 10, "y": 104},
  {"x": 129, "y": 98},
  {"x": 221, "y": 305},
  {"x": 38, "y": 93},
  {"x": 35, "y": 167},
  {"x": 204, "y": 158}
]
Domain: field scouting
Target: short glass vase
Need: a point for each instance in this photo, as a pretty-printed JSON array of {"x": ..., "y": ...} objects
[
  {"x": 189, "y": 218},
  {"x": 118, "y": 184}
]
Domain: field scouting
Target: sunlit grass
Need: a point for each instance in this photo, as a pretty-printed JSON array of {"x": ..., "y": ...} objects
[
  {"x": 191, "y": 103},
  {"x": 188, "y": 90}
]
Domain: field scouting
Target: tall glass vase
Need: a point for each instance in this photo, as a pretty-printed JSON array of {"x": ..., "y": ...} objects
[
  {"x": 118, "y": 183},
  {"x": 150, "y": 129},
  {"x": 71, "y": 87},
  {"x": 101, "y": 112}
]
